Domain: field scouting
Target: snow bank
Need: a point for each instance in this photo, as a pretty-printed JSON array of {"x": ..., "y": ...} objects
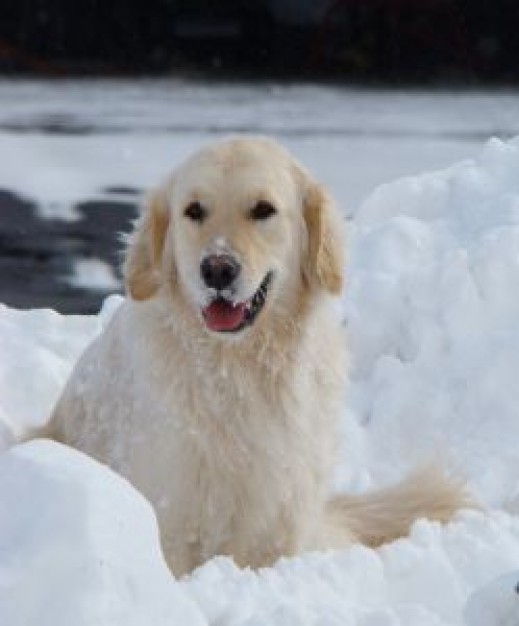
[
  {"x": 496, "y": 603},
  {"x": 420, "y": 581},
  {"x": 432, "y": 303},
  {"x": 39, "y": 349},
  {"x": 433, "y": 306},
  {"x": 80, "y": 546}
]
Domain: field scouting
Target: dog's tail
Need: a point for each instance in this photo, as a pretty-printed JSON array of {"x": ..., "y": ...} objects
[{"x": 377, "y": 517}]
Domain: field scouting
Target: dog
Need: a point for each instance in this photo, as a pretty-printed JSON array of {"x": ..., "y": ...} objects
[{"x": 217, "y": 385}]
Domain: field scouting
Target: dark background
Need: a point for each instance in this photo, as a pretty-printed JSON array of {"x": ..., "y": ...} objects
[{"x": 361, "y": 40}]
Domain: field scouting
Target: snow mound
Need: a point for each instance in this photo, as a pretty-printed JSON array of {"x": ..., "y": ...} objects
[
  {"x": 432, "y": 306},
  {"x": 419, "y": 581},
  {"x": 39, "y": 349},
  {"x": 80, "y": 546},
  {"x": 496, "y": 603}
]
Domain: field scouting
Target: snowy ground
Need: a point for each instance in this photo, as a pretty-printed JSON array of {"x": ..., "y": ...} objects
[
  {"x": 432, "y": 306},
  {"x": 77, "y": 138}
]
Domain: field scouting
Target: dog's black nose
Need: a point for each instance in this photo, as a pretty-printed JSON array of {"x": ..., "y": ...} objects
[{"x": 219, "y": 270}]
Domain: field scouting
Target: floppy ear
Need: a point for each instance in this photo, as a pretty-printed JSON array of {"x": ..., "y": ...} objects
[
  {"x": 323, "y": 264},
  {"x": 143, "y": 257}
]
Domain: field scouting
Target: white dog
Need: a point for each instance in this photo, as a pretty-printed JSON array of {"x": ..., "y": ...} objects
[{"x": 217, "y": 385}]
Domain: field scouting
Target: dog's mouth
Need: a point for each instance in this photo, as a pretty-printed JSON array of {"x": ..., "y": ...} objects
[{"x": 226, "y": 316}]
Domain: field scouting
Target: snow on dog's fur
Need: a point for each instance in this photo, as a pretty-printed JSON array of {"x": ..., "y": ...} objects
[{"x": 217, "y": 386}]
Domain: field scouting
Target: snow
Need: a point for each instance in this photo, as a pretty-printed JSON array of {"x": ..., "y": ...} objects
[
  {"x": 93, "y": 272},
  {"x": 39, "y": 349},
  {"x": 418, "y": 581},
  {"x": 497, "y": 603},
  {"x": 431, "y": 305},
  {"x": 76, "y": 138},
  {"x": 80, "y": 546}
]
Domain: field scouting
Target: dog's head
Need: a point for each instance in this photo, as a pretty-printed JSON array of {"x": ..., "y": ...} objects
[{"x": 237, "y": 229}]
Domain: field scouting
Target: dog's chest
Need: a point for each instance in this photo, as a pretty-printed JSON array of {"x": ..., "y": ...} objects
[
  {"x": 242, "y": 460},
  {"x": 235, "y": 419}
]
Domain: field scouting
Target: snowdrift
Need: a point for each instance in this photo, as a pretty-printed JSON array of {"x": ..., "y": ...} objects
[
  {"x": 79, "y": 545},
  {"x": 432, "y": 306}
]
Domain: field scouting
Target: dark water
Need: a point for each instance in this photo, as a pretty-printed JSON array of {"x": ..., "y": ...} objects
[{"x": 37, "y": 255}]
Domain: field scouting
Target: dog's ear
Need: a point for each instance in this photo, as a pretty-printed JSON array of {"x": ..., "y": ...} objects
[
  {"x": 323, "y": 262},
  {"x": 142, "y": 267}
]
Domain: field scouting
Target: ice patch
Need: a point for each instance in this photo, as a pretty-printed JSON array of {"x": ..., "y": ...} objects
[{"x": 93, "y": 274}]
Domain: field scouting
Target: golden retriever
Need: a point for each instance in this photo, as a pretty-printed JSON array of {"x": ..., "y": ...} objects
[{"x": 217, "y": 385}]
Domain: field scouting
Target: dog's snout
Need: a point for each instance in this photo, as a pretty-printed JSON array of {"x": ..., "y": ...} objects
[{"x": 219, "y": 270}]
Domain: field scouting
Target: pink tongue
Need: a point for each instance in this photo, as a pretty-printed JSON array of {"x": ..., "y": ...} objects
[{"x": 221, "y": 315}]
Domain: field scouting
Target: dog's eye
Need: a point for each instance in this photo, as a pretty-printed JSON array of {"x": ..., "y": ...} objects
[
  {"x": 262, "y": 211},
  {"x": 196, "y": 212}
]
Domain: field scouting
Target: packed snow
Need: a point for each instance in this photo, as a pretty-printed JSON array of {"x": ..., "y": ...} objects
[
  {"x": 80, "y": 546},
  {"x": 432, "y": 306},
  {"x": 496, "y": 604}
]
